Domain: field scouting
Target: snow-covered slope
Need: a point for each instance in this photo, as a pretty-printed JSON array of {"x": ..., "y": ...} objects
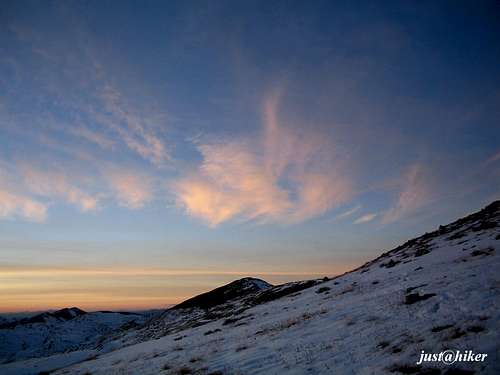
[
  {"x": 437, "y": 292},
  {"x": 227, "y": 302},
  {"x": 58, "y": 331}
]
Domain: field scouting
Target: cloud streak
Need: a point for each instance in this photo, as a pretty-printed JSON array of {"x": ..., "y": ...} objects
[
  {"x": 93, "y": 137},
  {"x": 348, "y": 213},
  {"x": 365, "y": 218},
  {"x": 283, "y": 176}
]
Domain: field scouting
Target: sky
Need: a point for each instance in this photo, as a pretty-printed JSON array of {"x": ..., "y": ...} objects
[{"x": 153, "y": 150}]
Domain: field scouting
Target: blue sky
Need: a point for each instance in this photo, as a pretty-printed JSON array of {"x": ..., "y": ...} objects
[{"x": 166, "y": 147}]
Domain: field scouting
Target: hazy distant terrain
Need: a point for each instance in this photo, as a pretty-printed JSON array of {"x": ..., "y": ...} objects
[{"x": 436, "y": 292}]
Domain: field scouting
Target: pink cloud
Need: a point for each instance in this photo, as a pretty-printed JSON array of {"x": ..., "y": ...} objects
[
  {"x": 284, "y": 176},
  {"x": 231, "y": 181},
  {"x": 18, "y": 205},
  {"x": 133, "y": 190},
  {"x": 56, "y": 184}
]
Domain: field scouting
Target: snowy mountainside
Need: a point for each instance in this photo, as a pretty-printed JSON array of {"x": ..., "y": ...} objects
[
  {"x": 437, "y": 292},
  {"x": 58, "y": 331}
]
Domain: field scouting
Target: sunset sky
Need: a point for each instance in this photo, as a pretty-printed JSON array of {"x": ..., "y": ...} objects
[{"x": 153, "y": 150}]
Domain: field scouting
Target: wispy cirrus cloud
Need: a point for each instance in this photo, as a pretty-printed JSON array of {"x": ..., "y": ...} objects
[
  {"x": 285, "y": 176},
  {"x": 76, "y": 94},
  {"x": 415, "y": 193},
  {"x": 85, "y": 105},
  {"x": 92, "y": 136},
  {"x": 132, "y": 129}
]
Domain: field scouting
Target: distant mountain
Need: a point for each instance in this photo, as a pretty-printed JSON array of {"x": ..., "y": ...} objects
[
  {"x": 437, "y": 292},
  {"x": 46, "y": 317},
  {"x": 60, "y": 331}
]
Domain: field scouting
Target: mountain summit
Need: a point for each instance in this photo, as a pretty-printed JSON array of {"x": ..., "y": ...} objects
[{"x": 236, "y": 289}]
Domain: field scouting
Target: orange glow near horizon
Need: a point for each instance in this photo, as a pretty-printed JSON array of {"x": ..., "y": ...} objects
[{"x": 126, "y": 288}]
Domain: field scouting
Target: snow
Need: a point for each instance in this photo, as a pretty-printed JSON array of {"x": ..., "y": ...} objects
[
  {"x": 260, "y": 284},
  {"x": 359, "y": 323},
  {"x": 40, "y": 365},
  {"x": 54, "y": 335}
]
